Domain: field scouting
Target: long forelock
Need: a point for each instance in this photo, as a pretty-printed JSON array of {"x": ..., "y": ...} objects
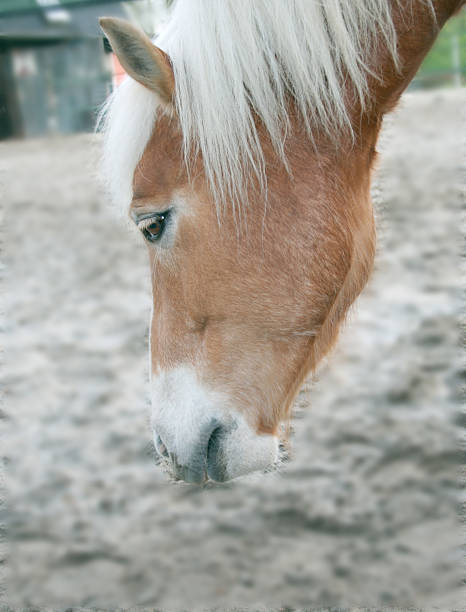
[{"x": 236, "y": 60}]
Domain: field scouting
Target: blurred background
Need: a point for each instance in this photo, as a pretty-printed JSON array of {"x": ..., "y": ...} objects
[
  {"x": 366, "y": 511},
  {"x": 55, "y": 70}
]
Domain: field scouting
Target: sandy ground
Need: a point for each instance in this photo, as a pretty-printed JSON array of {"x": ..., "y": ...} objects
[{"x": 363, "y": 514}]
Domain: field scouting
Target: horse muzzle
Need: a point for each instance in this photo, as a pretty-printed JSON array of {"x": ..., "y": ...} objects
[
  {"x": 221, "y": 452},
  {"x": 196, "y": 436}
]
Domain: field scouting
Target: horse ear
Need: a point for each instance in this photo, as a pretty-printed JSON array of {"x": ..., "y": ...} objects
[{"x": 142, "y": 60}]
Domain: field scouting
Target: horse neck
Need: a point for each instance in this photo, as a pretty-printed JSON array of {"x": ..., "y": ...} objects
[
  {"x": 417, "y": 24},
  {"x": 417, "y": 27}
]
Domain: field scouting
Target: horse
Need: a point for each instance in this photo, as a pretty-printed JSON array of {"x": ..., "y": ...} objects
[{"x": 242, "y": 143}]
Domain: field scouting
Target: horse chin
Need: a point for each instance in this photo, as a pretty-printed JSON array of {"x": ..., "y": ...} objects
[{"x": 197, "y": 439}]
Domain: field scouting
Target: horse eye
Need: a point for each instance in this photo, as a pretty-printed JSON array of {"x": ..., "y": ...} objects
[{"x": 153, "y": 228}]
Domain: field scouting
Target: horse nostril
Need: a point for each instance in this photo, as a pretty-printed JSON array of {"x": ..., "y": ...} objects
[
  {"x": 160, "y": 447},
  {"x": 197, "y": 462},
  {"x": 216, "y": 467}
]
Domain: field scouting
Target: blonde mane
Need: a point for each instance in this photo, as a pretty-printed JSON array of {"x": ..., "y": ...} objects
[{"x": 235, "y": 60}]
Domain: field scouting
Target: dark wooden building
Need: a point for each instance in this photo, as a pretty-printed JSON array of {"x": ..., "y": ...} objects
[{"x": 54, "y": 71}]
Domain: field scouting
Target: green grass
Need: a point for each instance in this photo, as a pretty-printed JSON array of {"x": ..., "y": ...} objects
[{"x": 439, "y": 62}]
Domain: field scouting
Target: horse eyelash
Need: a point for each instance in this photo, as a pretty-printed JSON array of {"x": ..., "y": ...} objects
[{"x": 143, "y": 223}]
